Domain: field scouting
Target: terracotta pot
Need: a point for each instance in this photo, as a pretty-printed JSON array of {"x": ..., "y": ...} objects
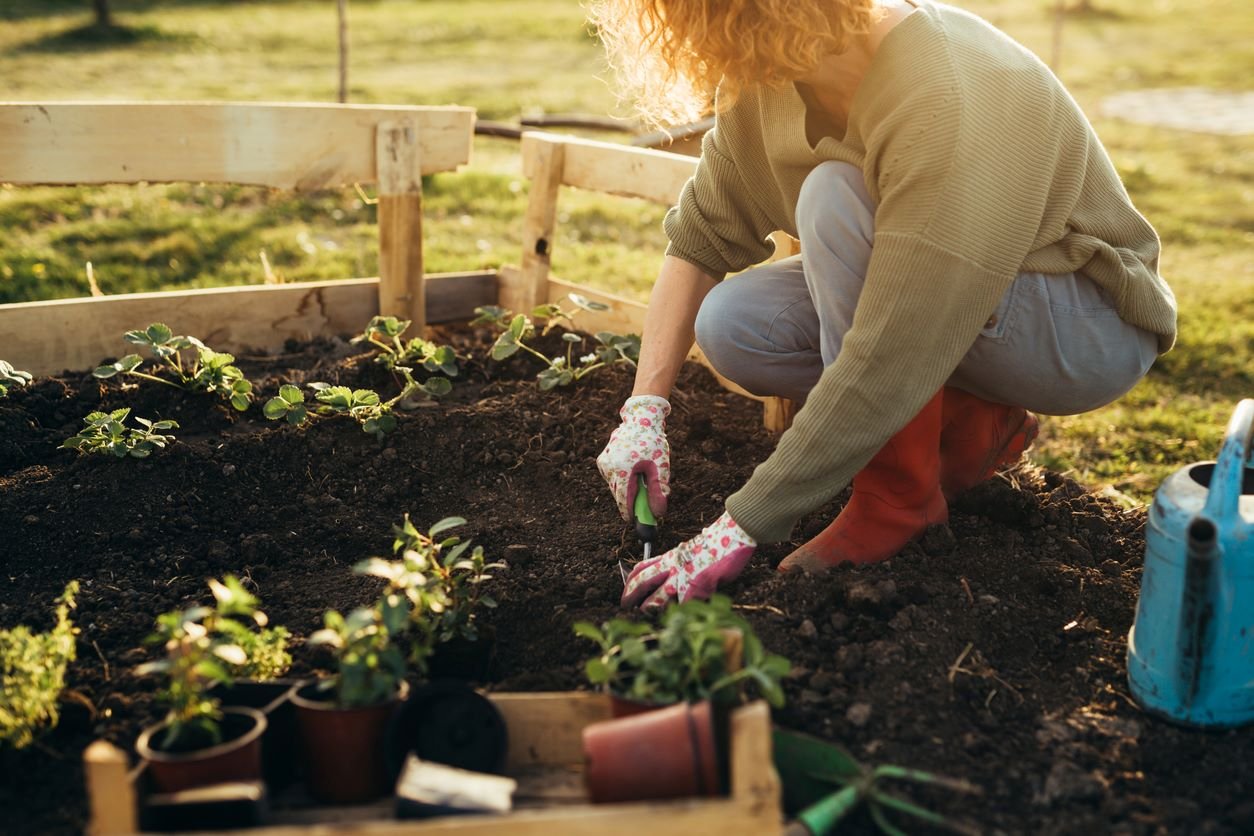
[
  {"x": 667, "y": 753},
  {"x": 343, "y": 747},
  {"x": 236, "y": 758},
  {"x": 628, "y": 707}
]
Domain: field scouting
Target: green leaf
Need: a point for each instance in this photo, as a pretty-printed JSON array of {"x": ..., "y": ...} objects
[
  {"x": 297, "y": 415},
  {"x": 517, "y": 327},
  {"x": 291, "y": 394},
  {"x": 572, "y": 338},
  {"x": 588, "y": 630},
  {"x": 598, "y": 672},
  {"x": 276, "y": 408},
  {"x": 444, "y": 525},
  {"x": 240, "y": 402},
  {"x": 437, "y": 386}
]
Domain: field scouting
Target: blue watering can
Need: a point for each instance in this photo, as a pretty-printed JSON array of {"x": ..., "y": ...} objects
[{"x": 1191, "y": 648}]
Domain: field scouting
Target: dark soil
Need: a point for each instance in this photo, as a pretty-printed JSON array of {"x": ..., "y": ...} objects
[{"x": 992, "y": 651}]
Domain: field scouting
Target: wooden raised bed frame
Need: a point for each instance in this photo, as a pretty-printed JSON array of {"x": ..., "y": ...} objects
[
  {"x": 303, "y": 147},
  {"x": 545, "y": 731}
]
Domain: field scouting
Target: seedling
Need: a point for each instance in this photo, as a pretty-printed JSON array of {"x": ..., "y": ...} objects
[
  {"x": 197, "y": 367},
  {"x": 384, "y": 333},
  {"x": 562, "y": 370},
  {"x": 11, "y": 378},
  {"x": 685, "y": 659},
  {"x": 32, "y": 674},
  {"x": 370, "y": 664},
  {"x": 823, "y": 784},
  {"x": 106, "y": 433},
  {"x": 440, "y": 582},
  {"x": 205, "y": 646},
  {"x": 363, "y": 405}
]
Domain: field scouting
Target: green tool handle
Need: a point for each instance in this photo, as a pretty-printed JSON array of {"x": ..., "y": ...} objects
[
  {"x": 822, "y": 818},
  {"x": 646, "y": 523}
]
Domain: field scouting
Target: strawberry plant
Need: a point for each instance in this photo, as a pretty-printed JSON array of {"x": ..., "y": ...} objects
[
  {"x": 519, "y": 331},
  {"x": 106, "y": 433},
  {"x": 32, "y": 674},
  {"x": 363, "y": 405},
  {"x": 11, "y": 378},
  {"x": 384, "y": 333},
  {"x": 196, "y": 367},
  {"x": 684, "y": 659},
  {"x": 205, "y": 646},
  {"x": 439, "y": 581}
]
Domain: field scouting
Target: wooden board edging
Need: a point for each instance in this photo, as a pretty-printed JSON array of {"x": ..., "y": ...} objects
[
  {"x": 49, "y": 337},
  {"x": 281, "y": 145}
]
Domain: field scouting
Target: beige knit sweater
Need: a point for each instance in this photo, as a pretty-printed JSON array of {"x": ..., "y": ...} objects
[{"x": 982, "y": 166}]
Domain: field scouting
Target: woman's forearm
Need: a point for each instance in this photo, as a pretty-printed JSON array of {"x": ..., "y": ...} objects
[{"x": 668, "y": 325}]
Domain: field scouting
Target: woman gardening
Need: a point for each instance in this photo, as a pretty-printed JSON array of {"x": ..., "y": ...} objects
[{"x": 969, "y": 256}]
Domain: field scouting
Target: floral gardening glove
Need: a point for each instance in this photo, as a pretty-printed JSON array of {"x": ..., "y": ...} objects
[
  {"x": 639, "y": 446},
  {"x": 693, "y": 569}
]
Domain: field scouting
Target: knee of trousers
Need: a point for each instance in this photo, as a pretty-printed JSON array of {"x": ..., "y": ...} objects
[
  {"x": 832, "y": 188},
  {"x": 715, "y": 327}
]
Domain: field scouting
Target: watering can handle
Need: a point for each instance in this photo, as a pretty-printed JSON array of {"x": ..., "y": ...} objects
[{"x": 1223, "y": 500}]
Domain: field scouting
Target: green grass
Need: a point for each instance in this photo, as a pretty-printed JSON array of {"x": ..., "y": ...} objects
[{"x": 511, "y": 57}]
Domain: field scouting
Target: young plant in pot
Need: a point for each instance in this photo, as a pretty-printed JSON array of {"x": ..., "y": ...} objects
[
  {"x": 342, "y": 720},
  {"x": 199, "y": 742},
  {"x": 442, "y": 578},
  {"x": 671, "y": 686}
]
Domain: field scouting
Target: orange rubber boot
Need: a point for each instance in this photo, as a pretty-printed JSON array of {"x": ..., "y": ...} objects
[
  {"x": 978, "y": 437},
  {"x": 895, "y": 498}
]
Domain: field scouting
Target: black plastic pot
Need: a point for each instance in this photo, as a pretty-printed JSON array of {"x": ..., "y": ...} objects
[
  {"x": 344, "y": 747},
  {"x": 237, "y": 757},
  {"x": 469, "y": 661},
  {"x": 449, "y": 722}
]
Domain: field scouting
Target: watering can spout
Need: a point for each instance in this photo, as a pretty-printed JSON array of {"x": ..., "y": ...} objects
[{"x": 1197, "y": 607}]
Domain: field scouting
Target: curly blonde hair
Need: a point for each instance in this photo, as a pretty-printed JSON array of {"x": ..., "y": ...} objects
[{"x": 670, "y": 56}]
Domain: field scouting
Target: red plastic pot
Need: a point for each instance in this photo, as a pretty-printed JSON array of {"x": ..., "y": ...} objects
[
  {"x": 344, "y": 754},
  {"x": 236, "y": 758},
  {"x": 666, "y": 753}
]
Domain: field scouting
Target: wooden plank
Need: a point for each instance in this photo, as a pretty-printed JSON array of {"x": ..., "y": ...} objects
[
  {"x": 547, "y": 728},
  {"x": 292, "y": 146},
  {"x": 754, "y": 781},
  {"x": 400, "y": 224},
  {"x": 725, "y": 817},
  {"x": 542, "y": 160},
  {"x": 778, "y": 413},
  {"x": 110, "y": 793},
  {"x": 48, "y": 337},
  {"x": 622, "y": 170}
]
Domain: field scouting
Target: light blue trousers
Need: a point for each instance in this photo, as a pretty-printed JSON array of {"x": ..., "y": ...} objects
[{"x": 1055, "y": 344}]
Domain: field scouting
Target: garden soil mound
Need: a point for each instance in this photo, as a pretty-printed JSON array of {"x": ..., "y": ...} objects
[{"x": 992, "y": 650}]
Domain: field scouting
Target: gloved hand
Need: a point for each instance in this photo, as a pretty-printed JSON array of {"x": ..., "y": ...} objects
[
  {"x": 639, "y": 446},
  {"x": 693, "y": 569}
]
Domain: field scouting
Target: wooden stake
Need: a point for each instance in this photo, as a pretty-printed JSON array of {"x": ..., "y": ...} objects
[
  {"x": 400, "y": 224},
  {"x": 110, "y": 794},
  {"x": 342, "y": 12},
  {"x": 543, "y": 161}
]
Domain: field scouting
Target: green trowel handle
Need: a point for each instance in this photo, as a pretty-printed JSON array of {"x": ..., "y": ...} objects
[
  {"x": 646, "y": 523},
  {"x": 822, "y": 818}
]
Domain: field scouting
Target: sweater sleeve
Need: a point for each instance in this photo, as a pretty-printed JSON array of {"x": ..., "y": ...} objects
[
  {"x": 717, "y": 225},
  {"x": 962, "y": 177}
]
